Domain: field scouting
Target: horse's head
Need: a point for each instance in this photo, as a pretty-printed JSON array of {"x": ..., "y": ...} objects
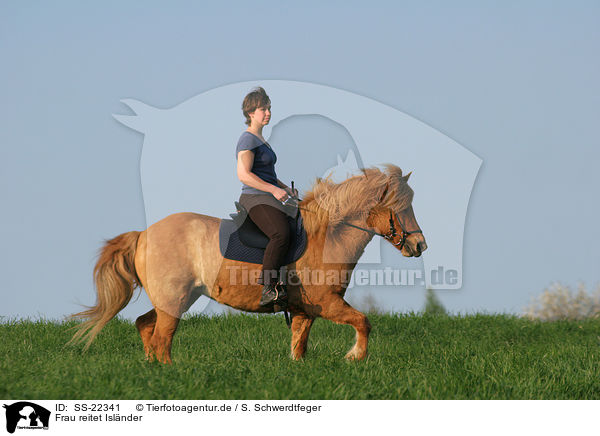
[
  {"x": 393, "y": 215},
  {"x": 384, "y": 199},
  {"x": 400, "y": 229}
]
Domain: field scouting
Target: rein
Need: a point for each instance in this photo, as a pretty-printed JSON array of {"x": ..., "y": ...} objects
[
  {"x": 388, "y": 236},
  {"x": 391, "y": 234}
]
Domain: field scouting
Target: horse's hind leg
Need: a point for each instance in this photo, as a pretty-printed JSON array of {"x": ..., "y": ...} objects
[
  {"x": 301, "y": 325},
  {"x": 145, "y": 325},
  {"x": 162, "y": 337},
  {"x": 341, "y": 312}
]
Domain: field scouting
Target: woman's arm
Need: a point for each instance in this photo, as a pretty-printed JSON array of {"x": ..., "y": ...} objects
[
  {"x": 246, "y": 176},
  {"x": 287, "y": 189}
]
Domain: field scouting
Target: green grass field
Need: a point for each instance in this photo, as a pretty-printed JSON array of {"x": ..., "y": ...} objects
[{"x": 247, "y": 357}]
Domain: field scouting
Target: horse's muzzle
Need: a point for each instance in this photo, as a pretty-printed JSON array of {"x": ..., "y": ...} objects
[{"x": 416, "y": 251}]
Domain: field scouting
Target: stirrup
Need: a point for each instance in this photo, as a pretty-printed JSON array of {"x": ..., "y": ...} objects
[
  {"x": 281, "y": 297},
  {"x": 281, "y": 304},
  {"x": 280, "y": 289}
]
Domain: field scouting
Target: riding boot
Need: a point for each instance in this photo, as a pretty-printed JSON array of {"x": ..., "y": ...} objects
[
  {"x": 274, "y": 292},
  {"x": 269, "y": 294}
]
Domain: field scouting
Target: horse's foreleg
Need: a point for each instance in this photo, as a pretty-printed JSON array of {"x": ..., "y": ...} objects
[
  {"x": 341, "y": 312},
  {"x": 301, "y": 325},
  {"x": 162, "y": 338},
  {"x": 145, "y": 325}
]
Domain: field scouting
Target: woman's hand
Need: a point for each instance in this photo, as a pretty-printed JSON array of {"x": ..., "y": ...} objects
[
  {"x": 292, "y": 193},
  {"x": 280, "y": 194}
]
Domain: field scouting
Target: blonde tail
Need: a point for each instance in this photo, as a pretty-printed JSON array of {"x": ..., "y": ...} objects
[{"x": 116, "y": 279}]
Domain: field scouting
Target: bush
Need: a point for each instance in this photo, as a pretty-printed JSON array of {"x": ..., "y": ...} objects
[
  {"x": 559, "y": 302},
  {"x": 433, "y": 306},
  {"x": 368, "y": 304}
]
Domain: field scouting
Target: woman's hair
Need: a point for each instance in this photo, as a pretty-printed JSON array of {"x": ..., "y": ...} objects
[{"x": 255, "y": 99}]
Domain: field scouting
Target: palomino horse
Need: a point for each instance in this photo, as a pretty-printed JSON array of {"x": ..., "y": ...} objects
[{"x": 177, "y": 259}]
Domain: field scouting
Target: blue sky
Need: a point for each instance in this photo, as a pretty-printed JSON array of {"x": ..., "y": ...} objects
[{"x": 516, "y": 83}]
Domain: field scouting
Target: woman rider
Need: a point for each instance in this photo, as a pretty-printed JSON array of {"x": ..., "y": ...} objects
[{"x": 262, "y": 193}]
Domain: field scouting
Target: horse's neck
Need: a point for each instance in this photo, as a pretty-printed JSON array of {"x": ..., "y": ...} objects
[{"x": 345, "y": 244}]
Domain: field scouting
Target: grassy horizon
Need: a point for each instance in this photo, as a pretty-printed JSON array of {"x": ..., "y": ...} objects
[{"x": 245, "y": 356}]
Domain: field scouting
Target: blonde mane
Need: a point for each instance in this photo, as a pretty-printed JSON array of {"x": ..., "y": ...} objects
[{"x": 328, "y": 203}]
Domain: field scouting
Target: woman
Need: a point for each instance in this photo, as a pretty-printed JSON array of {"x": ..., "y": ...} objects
[{"x": 263, "y": 194}]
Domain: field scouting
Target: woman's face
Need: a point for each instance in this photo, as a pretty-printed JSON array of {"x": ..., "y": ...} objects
[{"x": 261, "y": 116}]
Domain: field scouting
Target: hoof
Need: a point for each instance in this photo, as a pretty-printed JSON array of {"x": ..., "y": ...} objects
[{"x": 354, "y": 355}]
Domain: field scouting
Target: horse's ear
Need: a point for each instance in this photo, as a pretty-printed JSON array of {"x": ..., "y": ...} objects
[
  {"x": 405, "y": 178},
  {"x": 387, "y": 185}
]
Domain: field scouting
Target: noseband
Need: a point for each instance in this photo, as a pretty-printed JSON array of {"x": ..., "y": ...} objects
[{"x": 391, "y": 234}]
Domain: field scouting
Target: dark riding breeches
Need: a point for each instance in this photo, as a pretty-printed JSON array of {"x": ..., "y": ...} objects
[{"x": 273, "y": 223}]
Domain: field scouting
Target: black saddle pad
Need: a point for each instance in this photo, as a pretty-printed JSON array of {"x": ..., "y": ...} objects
[{"x": 232, "y": 247}]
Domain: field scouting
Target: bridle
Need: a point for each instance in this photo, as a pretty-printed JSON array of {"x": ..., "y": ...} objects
[{"x": 391, "y": 234}]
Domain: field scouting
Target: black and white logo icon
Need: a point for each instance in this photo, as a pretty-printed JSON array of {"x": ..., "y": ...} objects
[{"x": 26, "y": 415}]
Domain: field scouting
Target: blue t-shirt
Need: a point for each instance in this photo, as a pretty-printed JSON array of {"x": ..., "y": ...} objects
[{"x": 264, "y": 161}]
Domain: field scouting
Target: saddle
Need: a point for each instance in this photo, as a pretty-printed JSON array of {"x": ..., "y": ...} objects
[{"x": 241, "y": 239}]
